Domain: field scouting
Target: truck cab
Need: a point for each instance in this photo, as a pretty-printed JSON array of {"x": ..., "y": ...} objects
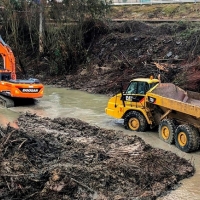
[
  {"x": 137, "y": 89},
  {"x": 130, "y": 104}
]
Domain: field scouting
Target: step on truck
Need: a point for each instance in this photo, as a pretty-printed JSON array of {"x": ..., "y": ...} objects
[{"x": 147, "y": 103}]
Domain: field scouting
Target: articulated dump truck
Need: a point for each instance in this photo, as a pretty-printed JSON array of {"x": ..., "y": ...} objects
[{"x": 147, "y": 103}]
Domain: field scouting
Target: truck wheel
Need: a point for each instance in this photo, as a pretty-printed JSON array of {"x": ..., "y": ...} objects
[
  {"x": 187, "y": 138},
  {"x": 135, "y": 121},
  {"x": 166, "y": 131}
]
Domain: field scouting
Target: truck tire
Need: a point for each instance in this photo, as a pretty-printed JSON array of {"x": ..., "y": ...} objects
[
  {"x": 135, "y": 121},
  {"x": 166, "y": 130},
  {"x": 187, "y": 138}
]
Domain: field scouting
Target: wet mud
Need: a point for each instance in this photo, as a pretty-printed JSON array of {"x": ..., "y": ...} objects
[{"x": 66, "y": 158}]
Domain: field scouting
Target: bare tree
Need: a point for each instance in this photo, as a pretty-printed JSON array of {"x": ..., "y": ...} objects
[
  {"x": 52, "y": 30},
  {"x": 41, "y": 27}
]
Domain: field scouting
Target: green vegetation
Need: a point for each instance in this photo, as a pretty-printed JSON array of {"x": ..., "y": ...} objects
[
  {"x": 175, "y": 11},
  {"x": 169, "y": 10}
]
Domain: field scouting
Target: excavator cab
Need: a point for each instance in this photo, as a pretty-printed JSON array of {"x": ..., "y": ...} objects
[{"x": 5, "y": 76}]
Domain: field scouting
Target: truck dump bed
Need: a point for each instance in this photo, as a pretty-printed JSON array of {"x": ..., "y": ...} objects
[{"x": 171, "y": 97}]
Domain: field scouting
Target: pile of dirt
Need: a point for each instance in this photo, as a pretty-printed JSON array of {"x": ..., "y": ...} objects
[
  {"x": 136, "y": 49},
  {"x": 65, "y": 158}
]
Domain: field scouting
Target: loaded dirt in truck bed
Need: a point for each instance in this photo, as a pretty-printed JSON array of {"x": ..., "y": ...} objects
[{"x": 65, "y": 158}]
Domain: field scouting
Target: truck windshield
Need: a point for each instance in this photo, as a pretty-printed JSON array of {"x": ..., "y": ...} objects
[{"x": 137, "y": 87}]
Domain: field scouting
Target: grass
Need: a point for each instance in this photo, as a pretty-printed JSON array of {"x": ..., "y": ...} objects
[{"x": 176, "y": 11}]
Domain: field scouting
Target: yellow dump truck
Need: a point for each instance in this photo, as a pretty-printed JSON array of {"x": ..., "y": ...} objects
[{"x": 147, "y": 103}]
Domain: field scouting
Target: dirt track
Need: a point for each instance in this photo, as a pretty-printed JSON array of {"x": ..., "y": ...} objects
[{"x": 70, "y": 159}]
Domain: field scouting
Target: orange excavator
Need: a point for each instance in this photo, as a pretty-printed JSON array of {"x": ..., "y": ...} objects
[{"x": 13, "y": 90}]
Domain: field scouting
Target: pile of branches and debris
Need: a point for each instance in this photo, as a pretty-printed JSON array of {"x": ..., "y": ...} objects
[{"x": 66, "y": 158}]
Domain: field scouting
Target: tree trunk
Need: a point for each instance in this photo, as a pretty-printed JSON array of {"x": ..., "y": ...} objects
[{"x": 41, "y": 27}]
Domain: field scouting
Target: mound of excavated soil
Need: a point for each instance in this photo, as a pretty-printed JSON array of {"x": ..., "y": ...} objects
[{"x": 65, "y": 158}]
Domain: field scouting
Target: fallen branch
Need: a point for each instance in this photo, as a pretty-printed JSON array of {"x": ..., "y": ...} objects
[
  {"x": 83, "y": 185},
  {"x": 8, "y": 137},
  {"x": 22, "y": 144},
  {"x": 167, "y": 168},
  {"x": 126, "y": 59},
  {"x": 14, "y": 175},
  {"x": 2, "y": 134},
  {"x": 8, "y": 185},
  {"x": 32, "y": 195}
]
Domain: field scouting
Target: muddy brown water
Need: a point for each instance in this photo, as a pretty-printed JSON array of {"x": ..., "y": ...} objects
[{"x": 61, "y": 102}]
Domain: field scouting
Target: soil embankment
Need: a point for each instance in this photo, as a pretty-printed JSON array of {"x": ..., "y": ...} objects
[{"x": 127, "y": 50}]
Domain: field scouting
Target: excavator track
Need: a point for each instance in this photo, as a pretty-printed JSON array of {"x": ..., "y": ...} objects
[{"x": 6, "y": 102}]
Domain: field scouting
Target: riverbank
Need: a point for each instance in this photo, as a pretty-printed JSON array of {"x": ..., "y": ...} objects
[{"x": 136, "y": 49}]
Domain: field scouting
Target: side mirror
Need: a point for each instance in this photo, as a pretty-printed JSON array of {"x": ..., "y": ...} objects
[{"x": 121, "y": 88}]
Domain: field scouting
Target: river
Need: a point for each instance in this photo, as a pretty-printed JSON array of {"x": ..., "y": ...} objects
[{"x": 62, "y": 102}]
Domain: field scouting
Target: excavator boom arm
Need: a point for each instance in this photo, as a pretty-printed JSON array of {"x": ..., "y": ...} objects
[{"x": 8, "y": 57}]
